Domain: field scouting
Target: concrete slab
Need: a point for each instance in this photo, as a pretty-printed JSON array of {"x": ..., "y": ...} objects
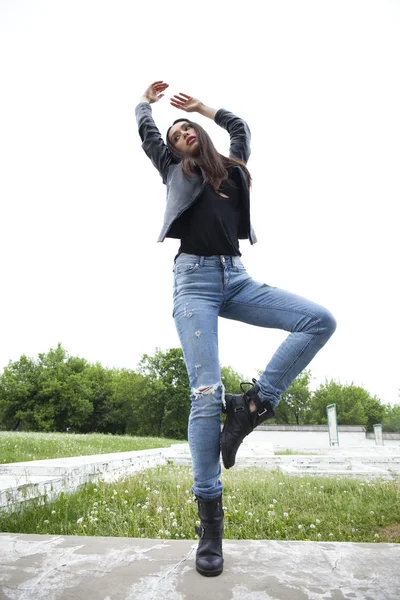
[{"x": 36, "y": 567}]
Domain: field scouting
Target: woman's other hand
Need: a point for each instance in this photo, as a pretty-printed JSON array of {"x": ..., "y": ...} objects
[
  {"x": 154, "y": 92},
  {"x": 186, "y": 103}
]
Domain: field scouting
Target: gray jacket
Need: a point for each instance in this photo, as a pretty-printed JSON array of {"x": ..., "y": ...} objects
[{"x": 182, "y": 192}]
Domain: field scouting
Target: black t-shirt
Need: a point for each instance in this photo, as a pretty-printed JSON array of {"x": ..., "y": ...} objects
[{"x": 211, "y": 224}]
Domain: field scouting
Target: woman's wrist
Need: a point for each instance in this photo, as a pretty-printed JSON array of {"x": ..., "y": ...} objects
[
  {"x": 207, "y": 111},
  {"x": 144, "y": 99}
]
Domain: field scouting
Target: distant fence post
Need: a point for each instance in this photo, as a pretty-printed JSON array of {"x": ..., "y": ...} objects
[
  {"x": 378, "y": 435},
  {"x": 332, "y": 425}
]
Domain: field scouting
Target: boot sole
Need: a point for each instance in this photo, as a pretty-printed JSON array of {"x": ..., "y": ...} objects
[
  {"x": 225, "y": 461},
  {"x": 209, "y": 573}
]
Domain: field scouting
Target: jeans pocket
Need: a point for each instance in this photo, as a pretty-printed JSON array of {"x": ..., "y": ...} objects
[{"x": 185, "y": 268}]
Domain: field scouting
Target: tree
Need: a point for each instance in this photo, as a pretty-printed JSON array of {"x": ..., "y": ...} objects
[
  {"x": 294, "y": 406},
  {"x": 63, "y": 395},
  {"x": 167, "y": 370},
  {"x": 375, "y": 411},
  {"x": 391, "y": 421},
  {"x": 349, "y": 399},
  {"x": 231, "y": 380},
  {"x": 138, "y": 403},
  {"x": 18, "y": 390}
]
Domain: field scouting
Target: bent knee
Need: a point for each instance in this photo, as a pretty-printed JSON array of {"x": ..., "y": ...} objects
[{"x": 328, "y": 323}]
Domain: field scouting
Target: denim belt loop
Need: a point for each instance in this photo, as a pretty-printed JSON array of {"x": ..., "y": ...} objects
[{"x": 201, "y": 261}]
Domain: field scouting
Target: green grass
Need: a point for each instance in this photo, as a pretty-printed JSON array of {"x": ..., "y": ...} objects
[
  {"x": 25, "y": 446},
  {"x": 259, "y": 504}
]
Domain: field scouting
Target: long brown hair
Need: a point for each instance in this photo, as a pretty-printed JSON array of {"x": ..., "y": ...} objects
[{"x": 213, "y": 165}]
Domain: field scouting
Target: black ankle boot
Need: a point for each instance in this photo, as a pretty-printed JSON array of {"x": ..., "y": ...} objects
[
  {"x": 240, "y": 421},
  {"x": 209, "y": 561}
]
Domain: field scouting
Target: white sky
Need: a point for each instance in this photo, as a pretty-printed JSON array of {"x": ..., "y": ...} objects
[{"x": 82, "y": 206}]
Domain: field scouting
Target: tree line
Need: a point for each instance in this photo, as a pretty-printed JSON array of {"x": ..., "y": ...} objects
[{"x": 58, "y": 392}]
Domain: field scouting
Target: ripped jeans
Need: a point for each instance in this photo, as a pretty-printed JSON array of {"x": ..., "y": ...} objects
[{"x": 206, "y": 288}]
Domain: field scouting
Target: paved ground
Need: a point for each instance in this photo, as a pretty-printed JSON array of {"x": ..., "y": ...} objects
[{"x": 35, "y": 567}]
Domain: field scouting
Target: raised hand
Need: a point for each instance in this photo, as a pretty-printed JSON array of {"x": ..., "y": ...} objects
[
  {"x": 186, "y": 103},
  {"x": 154, "y": 91}
]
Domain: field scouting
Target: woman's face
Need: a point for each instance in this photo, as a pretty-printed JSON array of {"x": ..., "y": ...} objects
[{"x": 183, "y": 138}]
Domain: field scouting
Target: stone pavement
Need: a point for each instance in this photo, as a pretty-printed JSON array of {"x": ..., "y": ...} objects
[{"x": 48, "y": 567}]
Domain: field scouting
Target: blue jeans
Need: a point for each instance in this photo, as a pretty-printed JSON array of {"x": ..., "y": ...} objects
[{"x": 206, "y": 288}]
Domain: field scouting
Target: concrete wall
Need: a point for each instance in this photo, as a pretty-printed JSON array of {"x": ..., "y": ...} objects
[{"x": 286, "y": 436}]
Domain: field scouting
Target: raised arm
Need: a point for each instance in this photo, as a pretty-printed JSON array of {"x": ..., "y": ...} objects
[
  {"x": 152, "y": 142},
  {"x": 238, "y": 129}
]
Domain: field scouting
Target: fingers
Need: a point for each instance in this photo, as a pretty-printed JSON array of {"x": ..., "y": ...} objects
[
  {"x": 176, "y": 105},
  {"x": 182, "y": 99},
  {"x": 158, "y": 87}
]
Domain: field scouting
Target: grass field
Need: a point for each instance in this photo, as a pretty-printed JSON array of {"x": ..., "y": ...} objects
[
  {"x": 259, "y": 504},
  {"x": 24, "y": 446}
]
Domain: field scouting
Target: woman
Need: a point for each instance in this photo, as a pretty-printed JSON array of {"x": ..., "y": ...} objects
[{"x": 208, "y": 209}]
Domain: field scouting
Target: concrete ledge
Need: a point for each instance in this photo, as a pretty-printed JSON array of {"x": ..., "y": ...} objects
[
  {"x": 385, "y": 435},
  {"x": 343, "y": 428},
  {"x": 23, "y": 481},
  {"x": 36, "y": 567}
]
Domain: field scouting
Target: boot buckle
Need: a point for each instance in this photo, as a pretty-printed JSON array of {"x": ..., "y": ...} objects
[
  {"x": 238, "y": 408},
  {"x": 260, "y": 414}
]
